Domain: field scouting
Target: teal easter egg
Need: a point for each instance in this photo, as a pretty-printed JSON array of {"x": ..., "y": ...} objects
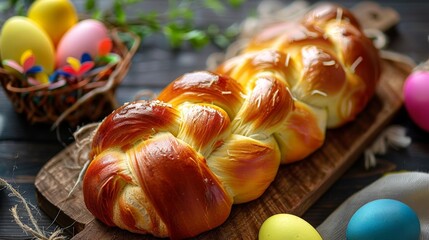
[{"x": 384, "y": 219}]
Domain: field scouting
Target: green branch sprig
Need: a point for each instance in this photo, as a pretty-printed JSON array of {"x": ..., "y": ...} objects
[{"x": 177, "y": 23}]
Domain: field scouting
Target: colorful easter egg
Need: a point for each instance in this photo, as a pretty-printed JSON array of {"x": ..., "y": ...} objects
[
  {"x": 84, "y": 37},
  {"x": 384, "y": 219},
  {"x": 287, "y": 226},
  {"x": 20, "y": 34},
  {"x": 54, "y": 16},
  {"x": 416, "y": 98}
]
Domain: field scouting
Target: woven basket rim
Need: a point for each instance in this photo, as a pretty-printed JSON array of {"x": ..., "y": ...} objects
[
  {"x": 101, "y": 83},
  {"x": 44, "y": 88}
]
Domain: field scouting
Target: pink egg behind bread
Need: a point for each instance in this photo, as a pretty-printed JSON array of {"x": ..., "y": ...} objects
[
  {"x": 84, "y": 37},
  {"x": 416, "y": 97}
]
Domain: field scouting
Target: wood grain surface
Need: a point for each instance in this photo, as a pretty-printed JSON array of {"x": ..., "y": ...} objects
[{"x": 296, "y": 187}]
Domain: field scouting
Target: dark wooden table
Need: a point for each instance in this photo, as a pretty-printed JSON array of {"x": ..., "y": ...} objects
[{"x": 25, "y": 148}]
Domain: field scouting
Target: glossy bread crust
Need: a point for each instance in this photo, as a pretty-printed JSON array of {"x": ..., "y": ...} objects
[
  {"x": 326, "y": 60},
  {"x": 173, "y": 167}
]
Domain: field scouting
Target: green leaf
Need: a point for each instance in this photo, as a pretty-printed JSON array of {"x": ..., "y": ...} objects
[
  {"x": 180, "y": 13},
  {"x": 197, "y": 38},
  {"x": 132, "y": 1},
  {"x": 221, "y": 41},
  {"x": 213, "y": 29},
  {"x": 236, "y": 3},
  {"x": 19, "y": 8},
  {"x": 232, "y": 31},
  {"x": 97, "y": 14},
  {"x": 150, "y": 20},
  {"x": 223, "y": 38},
  {"x": 174, "y": 34},
  {"x": 141, "y": 31},
  {"x": 215, "y": 5},
  {"x": 90, "y": 5},
  {"x": 187, "y": 14},
  {"x": 118, "y": 10}
]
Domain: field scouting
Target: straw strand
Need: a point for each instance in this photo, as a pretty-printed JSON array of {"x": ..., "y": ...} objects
[{"x": 32, "y": 230}]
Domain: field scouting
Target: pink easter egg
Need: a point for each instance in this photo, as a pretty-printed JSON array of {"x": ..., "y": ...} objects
[
  {"x": 416, "y": 98},
  {"x": 84, "y": 37}
]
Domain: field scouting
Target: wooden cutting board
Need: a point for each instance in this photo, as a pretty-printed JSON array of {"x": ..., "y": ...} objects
[{"x": 296, "y": 187}]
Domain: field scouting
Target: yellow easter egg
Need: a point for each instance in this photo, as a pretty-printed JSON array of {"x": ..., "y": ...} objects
[
  {"x": 20, "y": 34},
  {"x": 287, "y": 226},
  {"x": 54, "y": 16}
]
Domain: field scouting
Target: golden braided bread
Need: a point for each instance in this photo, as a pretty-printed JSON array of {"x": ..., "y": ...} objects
[{"x": 174, "y": 166}]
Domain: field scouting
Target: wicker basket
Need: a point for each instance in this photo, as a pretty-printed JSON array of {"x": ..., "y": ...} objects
[{"x": 89, "y": 99}]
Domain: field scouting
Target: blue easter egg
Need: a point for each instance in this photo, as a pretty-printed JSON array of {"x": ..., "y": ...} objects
[{"x": 384, "y": 219}]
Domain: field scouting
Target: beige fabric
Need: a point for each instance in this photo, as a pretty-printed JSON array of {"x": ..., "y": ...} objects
[{"x": 411, "y": 188}]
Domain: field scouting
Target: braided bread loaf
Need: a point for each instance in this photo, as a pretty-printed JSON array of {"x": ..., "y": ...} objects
[{"x": 174, "y": 166}]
